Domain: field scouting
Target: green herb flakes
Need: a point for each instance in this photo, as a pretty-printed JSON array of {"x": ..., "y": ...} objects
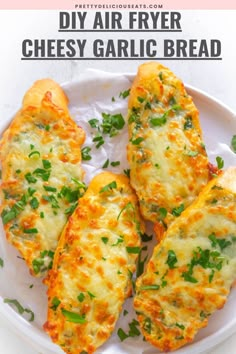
[
  {"x": 98, "y": 139},
  {"x": 233, "y": 143},
  {"x": 171, "y": 259},
  {"x": 29, "y": 178},
  {"x": 21, "y": 310},
  {"x": 133, "y": 250},
  {"x": 73, "y": 317},
  {"x": 115, "y": 163},
  {"x": 55, "y": 303},
  {"x": 1, "y": 263},
  {"x": 150, "y": 287},
  {"x": 220, "y": 162},
  {"x": 94, "y": 123},
  {"x": 137, "y": 141},
  {"x": 124, "y": 94},
  {"x": 109, "y": 187},
  {"x": 178, "y": 210},
  {"x": 104, "y": 240},
  {"x": 85, "y": 153},
  {"x": 34, "y": 153},
  {"x": 106, "y": 164},
  {"x": 81, "y": 297},
  {"x": 34, "y": 203}
]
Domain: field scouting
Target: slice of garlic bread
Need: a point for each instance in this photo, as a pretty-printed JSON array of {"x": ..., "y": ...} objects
[
  {"x": 93, "y": 265},
  {"x": 41, "y": 174},
  {"x": 167, "y": 157},
  {"x": 191, "y": 271}
]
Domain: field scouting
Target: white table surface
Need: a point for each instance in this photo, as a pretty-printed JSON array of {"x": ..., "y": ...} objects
[{"x": 216, "y": 78}]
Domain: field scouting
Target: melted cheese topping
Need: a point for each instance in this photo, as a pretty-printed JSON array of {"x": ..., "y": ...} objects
[
  {"x": 41, "y": 174},
  {"x": 191, "y": 271},
  {"x": 93, "y": 265},
  {"x": 167, "y": 157}
]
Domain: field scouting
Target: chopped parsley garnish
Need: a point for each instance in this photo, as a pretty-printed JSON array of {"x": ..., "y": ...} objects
[
  {"x": 73, "y": 317},
  {"x": 31, "y": 191},
  {"x": 205, "y": 258},
  {"x": 128, "y": 206},
  {"x": 71, "y": 209},
  {"x": 94, "y": 123},
  {"x": 172, "y": 101},
  {"x": 42, "y": 173},
  {"x": 178, "y": 210},
  {"x": 10, "y": 214},
  {"x": 55, "y": 303},
  {"x": 81, "y": 297},
  {"x": 98, "y": 139},
  {"x": 85, "y": 153},
  {"x": 133, "y": 250},
  {"x": 34, "y": 153},
  {"x": 108, "y": 187},
  {"x": 115, "y": 163},
  {"x": 31, "y": 231},
  {"x": 21, "y": 310},
  {"x": 162, "y": 212},
  {"x": 43, "y": 262},
  {"x": 51, "y": 199},
  {"x": 1, "y": 262},
  {"x": 50, "y": 189},
  {"x": 140, "y": 264},
  {"x": 124, "y": 94},
  {"x": 140, "y": 99},
  {"x": 221, "y": 242},
  {"x": 133, "y": 331},
  {"x": 106, "y": 164},
  {"x": 171, "y": 259},
  {"x": 29, "y": 178},
  {"x": 46, "y": 164},
  {"x": 220, "y": 162},
  {"x": 34, "y": 203},
  {"x": 118, "y": 241},
  {"x": 181, "y": 326},
  {"x": 192, "y": 153},
  {"x": 125, "y": 312},
  {"x": 158, "y": 121},
  {"x": 188, "y": 123},
  {"x": 104, "y": 240},
  {"x": 161, "y": 120},
  {"x": 122, "y": 335},
  {"x": 150, "y": 287},
  {"x": 137, "y": 141},
  {"x": 145, "y": 237},
  {"x": 112, "y": 123},
  {"x": 127, "y": 172},
  {"x": 147, "y": 326},
  {"x": 91, "y": 295},
  {"x": 233, "y": 143}
]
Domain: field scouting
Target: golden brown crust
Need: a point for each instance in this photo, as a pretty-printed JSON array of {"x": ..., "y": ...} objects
[{"x": 93, "y": 265}]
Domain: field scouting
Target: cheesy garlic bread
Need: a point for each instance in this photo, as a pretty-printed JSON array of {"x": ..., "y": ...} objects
[
  {"x": 93, "y": 265},
  {"x": 191, "y": 271},
  {"x": 41, "y": 174},
  {"x": 167, "y": 157}
]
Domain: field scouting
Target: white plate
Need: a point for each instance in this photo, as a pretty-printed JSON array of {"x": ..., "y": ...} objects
[{"x": 89, "y": 96}]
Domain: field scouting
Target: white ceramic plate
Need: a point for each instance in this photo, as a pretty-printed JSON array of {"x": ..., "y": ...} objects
[{"x": 89, "y": 97}]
